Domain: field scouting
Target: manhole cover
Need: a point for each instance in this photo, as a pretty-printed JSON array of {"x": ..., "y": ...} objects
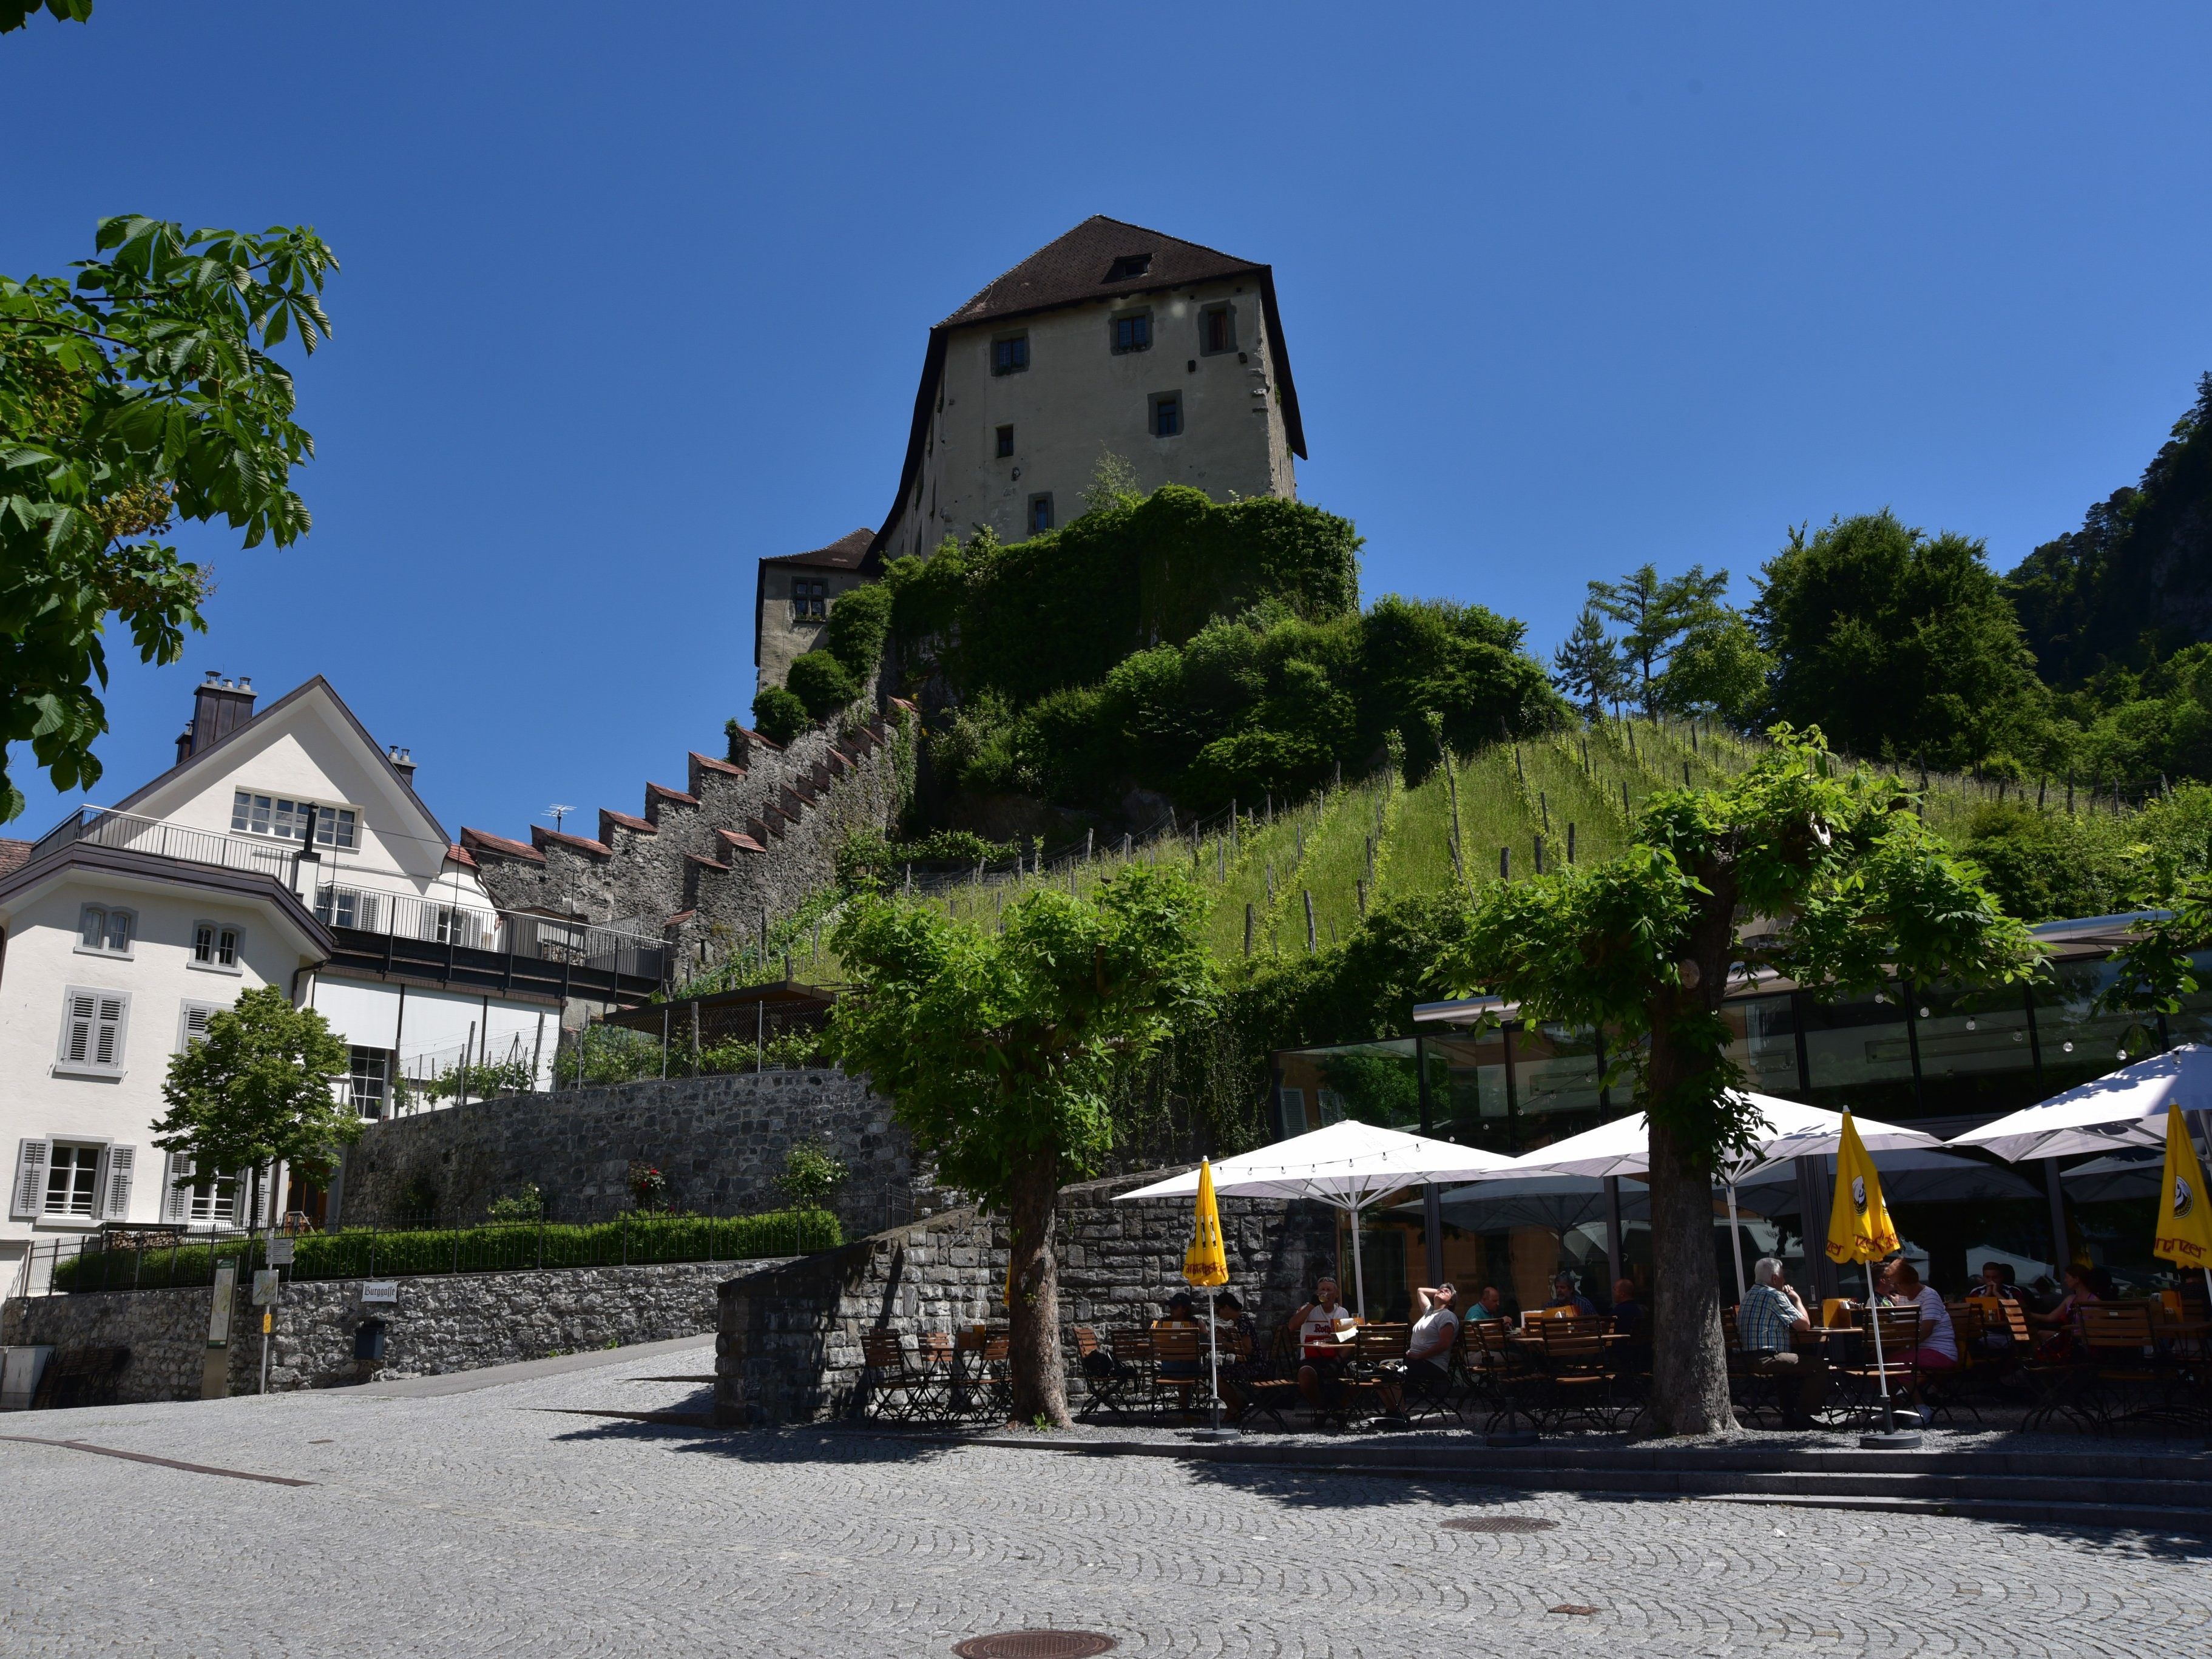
[
  {"x": 1501, "y": 1523},
  {"x": 1036, "y": 1645}
]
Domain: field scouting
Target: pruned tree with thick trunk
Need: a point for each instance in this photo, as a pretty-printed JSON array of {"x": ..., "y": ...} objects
[
  {"x": 999, "y": 1052},
  {"x": 1824, "y": 875}
]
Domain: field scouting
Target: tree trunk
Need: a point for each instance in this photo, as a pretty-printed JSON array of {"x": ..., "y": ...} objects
[
  {"x": 1040, "y": 1381},
  {"x": 1689, "y": 1364}
]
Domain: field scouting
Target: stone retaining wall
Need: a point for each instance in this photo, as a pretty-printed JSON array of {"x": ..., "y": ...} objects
[
  {"x": 719, "y": 1140},
  {"x": 789, "y": 1349},
  {"x": 441, "y": 1323}
]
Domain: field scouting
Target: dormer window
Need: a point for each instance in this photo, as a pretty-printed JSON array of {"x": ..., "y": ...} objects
[
  {"x": 1128, "y": 267},
  {"x": 1132, "y": 331}
]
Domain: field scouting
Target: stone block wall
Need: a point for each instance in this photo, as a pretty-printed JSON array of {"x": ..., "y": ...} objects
[
  {"x": 789, "y": 1348},
  {"x": 719, "y": 1140},
  {"x": 441, "y": 1323}
]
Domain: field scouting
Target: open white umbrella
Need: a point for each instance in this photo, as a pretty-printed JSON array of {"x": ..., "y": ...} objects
[
  {"x": 1911, "y": 1177},
  {"x": 2133, "y": 1174},
  {"x": 1782, "y": 1130},
  {"x": 1350, "y": 1165},
  {"x": 2126, "y": 1108}
]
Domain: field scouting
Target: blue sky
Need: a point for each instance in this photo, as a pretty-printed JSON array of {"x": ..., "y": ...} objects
[{"x": 634, "y": 296}]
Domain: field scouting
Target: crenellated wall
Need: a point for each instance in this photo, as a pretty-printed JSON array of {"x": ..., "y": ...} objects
[{"x": 744, "y": 841}]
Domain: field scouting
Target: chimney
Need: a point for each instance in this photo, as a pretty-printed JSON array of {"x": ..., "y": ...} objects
[
  {"x": 219, "y": 708},
  {"x": 403, "y": 762}
]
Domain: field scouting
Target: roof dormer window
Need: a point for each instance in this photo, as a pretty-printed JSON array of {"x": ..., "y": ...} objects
[{"x": 1129, "y": 265}]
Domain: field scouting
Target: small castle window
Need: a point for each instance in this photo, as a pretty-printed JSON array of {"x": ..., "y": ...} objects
[
  {"x": 1009, "y": 356},
  {"x": 1129, "y": 265},
  {"x": 1217, "y": 331},
  {"x": 1167, "y": 414},
  {"x": 809, "y": 597},
  {"x": 1006, "y": 441},
  {"x": 1132, "y": 331},
  {"x": 1040, "y": 514}
]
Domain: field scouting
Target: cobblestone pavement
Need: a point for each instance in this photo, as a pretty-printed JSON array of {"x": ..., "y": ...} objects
[{"x": 490, "y": 1522}]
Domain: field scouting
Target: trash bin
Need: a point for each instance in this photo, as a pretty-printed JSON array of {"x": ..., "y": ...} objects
[{"x": 368, "y": 1342}]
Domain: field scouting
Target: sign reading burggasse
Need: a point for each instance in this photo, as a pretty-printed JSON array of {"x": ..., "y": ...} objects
[{"x": 381, "y": 1290}]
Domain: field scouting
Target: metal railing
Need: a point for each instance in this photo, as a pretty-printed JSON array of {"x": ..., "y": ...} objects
[{"x": 94, "y": 826}]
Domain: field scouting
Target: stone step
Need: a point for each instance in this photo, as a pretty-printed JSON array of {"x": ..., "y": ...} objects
[{"x": 2134, "y": 1518}]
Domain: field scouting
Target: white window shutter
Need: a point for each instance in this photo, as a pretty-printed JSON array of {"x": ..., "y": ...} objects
[
  {"x": 78, "y": 1019},
  {"x": 176, "y": 1201},
  {"x": 28, "y": 1195},
  {"x": 115, "y": 1183}
]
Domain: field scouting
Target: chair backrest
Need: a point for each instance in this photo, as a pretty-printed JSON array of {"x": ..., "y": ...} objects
[
  {"x": 1731, "y": 1334},
  {"x": 1579, "y": 1339},
  {"x": 1178, "y": 1344},
  {"x": 1132, "y": 1342},
  {"x": 1835, "y": 1313},
  {"x": 883, "y": 1351},
  {"x": 995, "y": 1349},
  {"x": 2115, "y": 1324},
  {"x": 935, "y": 1345},
  {"x": 2000, "y": 1314},
  {"x": 2169, "y": 1304},
  {"x": 1381, "y": 1342},
  {"x": 1968, "y": 1323},
  {"x": 1536, "y": 1315},
  {"x": 1087, "y": 1341}
]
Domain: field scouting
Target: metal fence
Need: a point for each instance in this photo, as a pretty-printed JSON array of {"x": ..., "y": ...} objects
[
  {"x": 94, "y": 826},
  {"x": 541, "y": 938},
  {"x": 145, "y": 1259}
]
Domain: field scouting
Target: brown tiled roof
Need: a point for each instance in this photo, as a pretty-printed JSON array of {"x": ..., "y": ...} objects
[
  {"x": 460, "y": 854},
  {"x": 480, "y": 841},
  {"x": 541, "y": 838},
  {"x": 1080, "y": 266},
  {"x": 843, "y": 554},
  {"x": 608, "y": 815},
  {"x": 664, "y": 793},
  {"x": 708, "y": 763},
  {"x": 14, "y": 855}
]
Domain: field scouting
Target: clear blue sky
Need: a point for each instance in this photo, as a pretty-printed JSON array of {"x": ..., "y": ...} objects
[{"x": 634, "y": 295}]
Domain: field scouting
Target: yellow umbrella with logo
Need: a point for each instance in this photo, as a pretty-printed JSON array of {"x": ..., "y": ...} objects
[
  {"x": 1860, "y": 1230},
  {"x": 1206, "y": 1267},
  {"x": 2184, "y": 1215}
]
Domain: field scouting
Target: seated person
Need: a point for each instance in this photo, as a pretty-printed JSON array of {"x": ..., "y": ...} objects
[
  {"x": 1182, "y": 1316},
  {"x": 1565, "y": 1295},
  {"x": 1939, "y": 1339},
  {"x": 1315, "y": 1323},
  {"x": 2079, "y": 1294},
  {"x": 1488, "y": 1305},
  {"x": 1995, "y": 1285},
  {"x": 1243, "y": 1359},
  {"x": 1772, "y": 1309},
  {"x": 1628, "y": 1315},
  {"x": 1429, "y": 1345}
]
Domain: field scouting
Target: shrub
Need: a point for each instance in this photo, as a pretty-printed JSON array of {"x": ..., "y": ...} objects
[
  {"x": 855, "y": 631},
  {"x": 527, "y": 1204},
  {"x": 811, "y": 1176},
  {"x": 820, "y": 683},
  {"x": 608, "y": 1054},
  {"x": 648, "y": 1187},
  {"x": 778, "y": 715}
]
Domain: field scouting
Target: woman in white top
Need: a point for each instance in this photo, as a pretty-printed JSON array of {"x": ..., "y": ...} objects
[{"x": 1939, "y": 1341}]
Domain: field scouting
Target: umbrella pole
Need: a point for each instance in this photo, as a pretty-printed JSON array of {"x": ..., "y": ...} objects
[
  {"x": 1358, "y": 1279},
  {"x": 1881, "y": 1366},
  {"x": 1735, "y": 1244},
  {"x": 1214, "y": 1357}
]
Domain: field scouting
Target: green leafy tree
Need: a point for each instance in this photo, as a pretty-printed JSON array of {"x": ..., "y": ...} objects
[
  {"x": 1896, "y": 644},
  {"x": 1656, "y": 613},
  {"x": 811, "y": 1176},
  {"x": 859, "y": 621},
  {"x": 1825, "y": 877},
  {"x": 1001, "y": 1052},
  {"x": 138, "y": 395},
  {"x": 1588, "y": 668},
  {"x": 778, "y": 714},
  {"x": 1717, "y": 668},
  {"x": 258, "y": 1090},
  {"x": 822, "y": 683},
  {"x": 14, "y": 14}
]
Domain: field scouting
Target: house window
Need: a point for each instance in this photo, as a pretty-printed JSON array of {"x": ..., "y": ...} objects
[
  {"x": 92, "y": 1029},
  {"x": 205, "y": 1203},
  {"x": 1006, "y": 441},
  {"x": 1132, "y": 331},
  {"x": 1009, "y": 356},
  {"x": 809, "y": 597},
  {"x": 106, "y": 931},
  {"x": 215, "y": 944},
  {"x": 1217, "y": 331},
  {"x": 345, "y": 907},
  {"x": 290, "y": 820},
  {"x": 1040, "y": 514},
  {"x": 72, "y": 1181},
  {"x": 370, "y": 1080},
  {"x": 1129, "y": 265},
  {"x": 193, "y": 1023},
  {"x": 1167, "y": 415}
]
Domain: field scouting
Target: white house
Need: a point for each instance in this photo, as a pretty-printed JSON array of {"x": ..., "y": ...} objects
[{"x": 285, "y": 848}]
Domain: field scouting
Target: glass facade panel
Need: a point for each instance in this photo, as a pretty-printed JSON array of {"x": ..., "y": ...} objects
[
  {"x": 2192, "y": 1022},
  {"x": 1859, "y": 1054},
  {"x": 1372, "y": 1082},
  {"x": 1763, "y": 1042},
  {"x": 1556, "y": 1084},
  {"x": 1469, "y": 1099},
  {"x": 2077, "y": 1043},
  {"x": 1975, "y": 1052}
]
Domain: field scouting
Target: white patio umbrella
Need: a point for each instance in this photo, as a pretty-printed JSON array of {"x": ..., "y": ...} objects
[
  {"x": 1784, "y": 1130},
  {"x": 1910, "y": 1176},
  {"x": 1350, "y": 1165},
  {"x": 2126, "y": 1108},
  {"x": 2135, "y": 1173}
]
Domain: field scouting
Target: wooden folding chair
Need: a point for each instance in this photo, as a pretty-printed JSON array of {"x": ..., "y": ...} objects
[
  {"x": 1133, "y": 1361},
  {"x": 2125, "y": 1365},
  {"x": 1179, "y": 1365},
  {"x": 1897, "y": 1374},
  {"x": 1577, "y": 1371},
  {"x": 891, "y": 1385}
]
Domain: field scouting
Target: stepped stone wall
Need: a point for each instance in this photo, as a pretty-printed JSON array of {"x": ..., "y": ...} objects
[
  {"x": 743, "y": 842},
  {"x": 789, "y": 1347}
]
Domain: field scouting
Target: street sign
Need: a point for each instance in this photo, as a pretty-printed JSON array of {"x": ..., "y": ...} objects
[
  {"x": 265, "y": 1288},
  {"x": 381, "y": 1290},
  {"x": 226, "y": 1291},
  {"x": 280, "y": 1252}
]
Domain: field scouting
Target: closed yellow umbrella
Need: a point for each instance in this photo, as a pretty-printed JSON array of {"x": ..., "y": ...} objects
[
  {"x": 2184, "y": 1215},
  {"x": 1860, "y": 1230},
  {"x": 1206, "y": 1267}
]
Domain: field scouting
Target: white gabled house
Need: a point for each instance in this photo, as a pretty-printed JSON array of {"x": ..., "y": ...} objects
[{"x": 285, "y": 848}]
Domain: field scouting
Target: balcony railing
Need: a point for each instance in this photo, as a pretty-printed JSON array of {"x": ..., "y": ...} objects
[{"x": 94, "y": 826}]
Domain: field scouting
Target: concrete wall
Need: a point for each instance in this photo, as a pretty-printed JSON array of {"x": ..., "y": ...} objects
[
  {"x": 719, "y": 1140},
  {"x": 790, "y": 1345},
  {"x": 1078, "y": 397},
  {"x": 456, "y": 1323}
]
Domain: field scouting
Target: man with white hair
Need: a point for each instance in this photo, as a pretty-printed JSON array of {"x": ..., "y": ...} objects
[{"x": 1771, "y": 1312}]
